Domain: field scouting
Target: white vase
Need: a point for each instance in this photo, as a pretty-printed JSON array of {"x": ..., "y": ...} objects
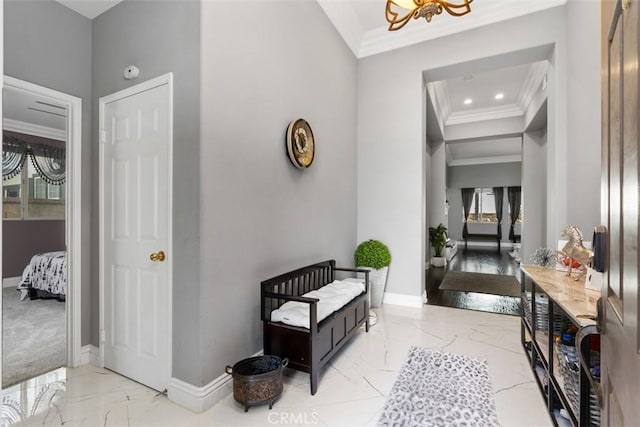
[
  {"x": 377, "y": 283},
  {"x": 438, "y": 261}
]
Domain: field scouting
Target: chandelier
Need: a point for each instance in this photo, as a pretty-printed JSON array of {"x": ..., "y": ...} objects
[{"x": 421, "y": 9}]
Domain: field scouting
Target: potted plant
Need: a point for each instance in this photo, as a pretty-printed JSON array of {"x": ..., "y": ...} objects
[
  {"x": 438, "y": 239},
  {"x": 375, "y": 256}
]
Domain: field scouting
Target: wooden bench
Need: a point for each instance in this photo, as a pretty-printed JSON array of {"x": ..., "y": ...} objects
[
  {"x": 308, "y": 350},
  {"x": 482, "y": 236}
]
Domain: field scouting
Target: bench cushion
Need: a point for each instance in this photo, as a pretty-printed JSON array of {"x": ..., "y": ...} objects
[{"x": 332, "y": 298}]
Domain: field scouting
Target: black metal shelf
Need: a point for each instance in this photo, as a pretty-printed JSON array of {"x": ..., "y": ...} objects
[{"x": 544, "y": 363}]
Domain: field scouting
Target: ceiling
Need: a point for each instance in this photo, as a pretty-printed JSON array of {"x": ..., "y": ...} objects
[
  {"x": 494, "y": 150},
  {"x": 517, "y": 85},
  {"x": 474, "y": 97},
  {"x": 363, "y": 26},
  {"x": 89, "y": 8},
  {"x": 25, "y": 112}
]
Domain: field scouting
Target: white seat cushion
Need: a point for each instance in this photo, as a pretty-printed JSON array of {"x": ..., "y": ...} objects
[{"x": 332, "y": 298}]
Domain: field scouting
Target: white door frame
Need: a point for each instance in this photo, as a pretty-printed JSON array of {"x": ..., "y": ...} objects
[
  {"x": 73, "y": 210},
  {"x": 133, "y": 90}
]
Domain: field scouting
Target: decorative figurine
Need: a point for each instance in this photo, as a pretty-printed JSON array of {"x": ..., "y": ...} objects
[
  {"x": 575, "y": 250},
  {"x": 544, "y": 258}
]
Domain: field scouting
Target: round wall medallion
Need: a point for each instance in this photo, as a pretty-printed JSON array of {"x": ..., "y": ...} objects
[{"x": 300, "y": 143}]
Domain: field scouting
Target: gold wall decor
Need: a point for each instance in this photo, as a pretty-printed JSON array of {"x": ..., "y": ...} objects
[{"x": 300, "y": 143}]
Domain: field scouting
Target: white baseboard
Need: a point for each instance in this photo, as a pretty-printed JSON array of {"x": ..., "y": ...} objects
[
  {"x": 89, "y": 354},
  {"x": 404, "y": 300},
  {"x": 199, "y": 399},
  {"x": 11, "y": 282}
]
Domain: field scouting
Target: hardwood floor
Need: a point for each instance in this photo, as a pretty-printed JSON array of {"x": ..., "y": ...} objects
[{"x": 475, "y": 260}]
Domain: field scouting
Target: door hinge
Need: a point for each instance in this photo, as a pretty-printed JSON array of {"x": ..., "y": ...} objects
[
  {"x": 103, "y": 135},
  {"x": 102, "y": 336}
]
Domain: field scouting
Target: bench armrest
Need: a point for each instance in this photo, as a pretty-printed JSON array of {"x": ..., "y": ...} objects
[
  {"x": 305, "y": 300},
  {"x": 313, "y": 308}
]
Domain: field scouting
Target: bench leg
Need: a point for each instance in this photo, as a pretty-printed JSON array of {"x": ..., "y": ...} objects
[{"x": 314, "y": 380}]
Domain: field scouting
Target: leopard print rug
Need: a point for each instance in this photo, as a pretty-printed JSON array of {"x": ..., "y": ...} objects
[{"x": 440, "y": 389}]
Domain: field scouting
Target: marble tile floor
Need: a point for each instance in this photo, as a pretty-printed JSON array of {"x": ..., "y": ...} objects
[{"x": 352, "y": 388}]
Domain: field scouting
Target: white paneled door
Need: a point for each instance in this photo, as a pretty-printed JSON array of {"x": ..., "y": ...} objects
[{"x": 136, "y": 138}]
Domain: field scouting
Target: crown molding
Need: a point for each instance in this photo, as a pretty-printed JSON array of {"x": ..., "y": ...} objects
[
  {"x": 439, "y": 94},
  {"x": 379, "y": 40},
  {"x": 481, "y": 114},
  {"x": 532, "y": 81},
  {"x": 448, "y": 155},
  {"x": 344, "y": 19},
  {"x": 486, "y": 160},
  {"x": 32, "y": 129}
]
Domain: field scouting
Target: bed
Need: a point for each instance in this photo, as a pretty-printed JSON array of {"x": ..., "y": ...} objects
[
  {"x": 310, "y": 340},
  {"x": 45, "y": 277}
]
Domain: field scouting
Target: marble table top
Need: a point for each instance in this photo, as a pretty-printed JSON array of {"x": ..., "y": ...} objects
[{"x": 572, "y": 296}]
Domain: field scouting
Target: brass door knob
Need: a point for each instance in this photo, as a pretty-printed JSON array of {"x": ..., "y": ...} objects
[{"x": 157, "y": 256}]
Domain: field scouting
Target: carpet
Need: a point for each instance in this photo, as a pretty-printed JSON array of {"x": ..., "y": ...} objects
[
  {"x": 33, "y": 337},
  {"x": 481, "y": 283},
  {"x": 440, "y": 389}
]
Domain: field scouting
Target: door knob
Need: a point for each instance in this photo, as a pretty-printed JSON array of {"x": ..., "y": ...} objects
[{"x": 157, "y": 256}]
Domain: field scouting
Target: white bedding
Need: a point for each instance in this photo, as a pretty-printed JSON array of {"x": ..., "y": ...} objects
[
  {"x": 46, "y": 272},
  {"x": 332, "y": 298}
]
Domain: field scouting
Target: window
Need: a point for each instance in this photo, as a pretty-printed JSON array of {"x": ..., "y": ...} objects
[
  {"x": 483, "y": 207},
  {"x": 28, "y": 196},
  {"x": 39, "y": 188}
]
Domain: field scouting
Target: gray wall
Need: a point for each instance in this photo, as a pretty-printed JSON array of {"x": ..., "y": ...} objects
[
  {"x": 534, "y": 200},
  {"x": 259, "y": 215},
  {"x": 38, "y": 51},
  {"x": 22, "y": 239},
  {"x": 160, "y": 37},
  {"x": 437, "y": 188},
  {"x": 480, "y": 176},
  {"x": 390, "y": 143},
  {"x": 584, "y": 130}
]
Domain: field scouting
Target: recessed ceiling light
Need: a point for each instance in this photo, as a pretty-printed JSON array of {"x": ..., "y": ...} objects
[
  {"x": 468, "y": 101},
  {"x": 499, "y": 95}
]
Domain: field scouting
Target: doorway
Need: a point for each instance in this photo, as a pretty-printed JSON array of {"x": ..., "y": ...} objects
[
  {"x": 135, "y": 231},
  {"x": 41, "y": 194}
]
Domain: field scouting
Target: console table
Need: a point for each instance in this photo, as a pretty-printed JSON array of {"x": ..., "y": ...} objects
[{"x": 553, "y": 306}]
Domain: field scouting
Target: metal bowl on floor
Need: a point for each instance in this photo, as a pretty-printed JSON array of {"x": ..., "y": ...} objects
[{"x": 257, "y": 380}]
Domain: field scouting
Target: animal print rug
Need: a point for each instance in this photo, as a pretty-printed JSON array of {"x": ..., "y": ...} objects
[{"x": 440, "y": 389}]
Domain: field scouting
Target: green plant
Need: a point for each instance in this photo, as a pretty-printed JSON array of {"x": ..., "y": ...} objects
[
  {"x": 372, "y": 253},
  {"x": 438, "y": 238}
]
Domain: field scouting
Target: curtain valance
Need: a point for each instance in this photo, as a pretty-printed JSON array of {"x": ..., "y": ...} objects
[{"x": 49, "y": 161}]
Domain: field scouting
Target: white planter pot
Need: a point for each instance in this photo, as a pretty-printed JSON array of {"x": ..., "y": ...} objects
[
  {"x": 377, "y": 283},
  {"x": 438, "y": 261}
]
